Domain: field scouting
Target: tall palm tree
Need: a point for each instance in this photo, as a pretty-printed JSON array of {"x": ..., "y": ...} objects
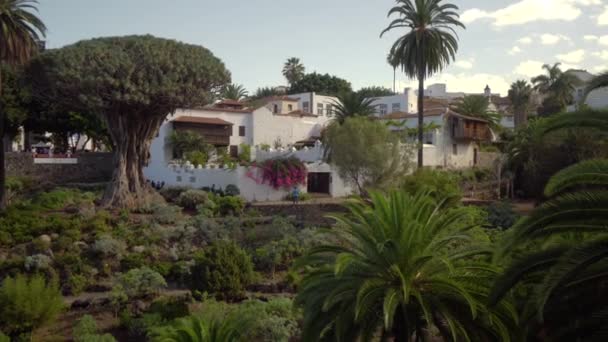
[
  {"x": 352, "y": 104},
  {"x": 561, "y": 249},
  {"x": 393, "y": 61},
  {"x": 520, "y": 95},
  {"x": 20, "y": 33},
  {"x": 293, "y": 70},
  {"x": 234, "y": 92},
  {"x": 400, "y": 266},
  {"x": 477, "y": 106},
  {"x": 429, "y": 44},
  {"x": 197, "y": 329},
  {"x": 556, "y": 85}
]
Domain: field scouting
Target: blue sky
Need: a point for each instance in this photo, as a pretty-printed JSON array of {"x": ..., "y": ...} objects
[{"x": 504, "y": 40}]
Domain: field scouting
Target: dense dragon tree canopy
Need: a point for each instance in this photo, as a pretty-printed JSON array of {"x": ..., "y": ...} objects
[{"x": 132, "y": 83}]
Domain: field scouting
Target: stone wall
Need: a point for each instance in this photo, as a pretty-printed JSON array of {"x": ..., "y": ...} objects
[
  {"x": 91, "y": 167},
  {"x": 486, "y": 159}
]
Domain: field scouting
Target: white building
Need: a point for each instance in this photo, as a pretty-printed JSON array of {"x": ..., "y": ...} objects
[
  {"x": 453, "y": 143},
  {"x": 439, "y": 91},
  {"x": 406, "y": 102},
  {"x": 320, "y": 105},
  {"x": 597, "y": 99}
]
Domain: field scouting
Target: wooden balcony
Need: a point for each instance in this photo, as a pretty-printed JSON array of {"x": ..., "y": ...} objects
[
  {"x": 216, "y": 133},
  {"x": 463, "y": 128}
]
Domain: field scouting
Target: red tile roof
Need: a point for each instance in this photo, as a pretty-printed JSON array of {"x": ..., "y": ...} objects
[
  {"x": 282, "y": 98},
  {"x": 230, "y": 102},
  {"x": 227, "y": 110},
  {"x": 205, "y": 121}
]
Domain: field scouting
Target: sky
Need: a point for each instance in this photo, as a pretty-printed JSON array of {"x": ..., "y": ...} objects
[{"x": 504, "y": 40}]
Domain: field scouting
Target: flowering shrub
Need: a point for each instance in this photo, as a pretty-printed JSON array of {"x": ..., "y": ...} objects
[{"x": 279, "y": 173}]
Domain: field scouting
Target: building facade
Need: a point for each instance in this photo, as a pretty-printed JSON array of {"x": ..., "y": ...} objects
[{"x": 406, "y": 102}]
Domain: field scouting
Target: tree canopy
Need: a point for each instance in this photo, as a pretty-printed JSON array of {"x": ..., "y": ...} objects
[
  {"x": 374, "y": 91},
  {"x": 293, "y": 70},
  {"x": 322, "y": 84},
  {"x": 132, "y": 83},
  {"x": 366, "y": 152}
]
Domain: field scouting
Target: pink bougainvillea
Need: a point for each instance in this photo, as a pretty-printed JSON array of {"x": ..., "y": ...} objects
[{"x": 279, "y": 173}]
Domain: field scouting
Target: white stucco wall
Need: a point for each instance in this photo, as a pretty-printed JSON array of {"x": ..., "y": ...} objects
[
  {"x": 316, "y": 100},
  {"x": 408, "y": 102},
  {"x": 267, "y": 127},
  {"x": 237, "y": 119}
]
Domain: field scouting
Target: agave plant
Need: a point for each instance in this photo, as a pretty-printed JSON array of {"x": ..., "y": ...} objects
[{"x": 402, "y": 266}]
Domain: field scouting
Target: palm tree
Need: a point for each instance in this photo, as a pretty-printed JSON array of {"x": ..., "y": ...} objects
[
  {"x": 477, "y": 106},
  {"x": 393, "y": 61},
  {"x": 568, "y": 271},
  {"x": 20, "y": 33},
  {"x": 557, "y": 86},
  {"x": 293, "y": 70},
  {"x": 352, "y": 104},
  {"x": 398, "y": 267},
  {"x": 197, "y": 329},
  {"x": 520, "y": 95},
  {"x": 427, "y": 47},
  {"x": 234, "y": 92}
]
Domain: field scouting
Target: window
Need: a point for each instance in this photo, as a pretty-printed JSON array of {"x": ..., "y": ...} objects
[
  {"x": 429, "y": 137},
  {"x": 328, "y": 110},
  {"x": 306, "y": 106},
  {"x": 319, "y": 109},
  {"x": 509, "y": 119},
  {"x": 275, "y": 109},
  {"x": 383, "y": 109},
  {"x": 580, "y": 93},
  {"x": 241, "y": 131},
  {"x": 396, "y": 107},
  {"x": 290, "y": 108},
  {"x": 455, "y": 149}
]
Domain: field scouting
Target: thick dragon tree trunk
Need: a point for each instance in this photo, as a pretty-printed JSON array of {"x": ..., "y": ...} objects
[
  {"x": 2, "y": 166},
  {"x": 132, "y": 136}
]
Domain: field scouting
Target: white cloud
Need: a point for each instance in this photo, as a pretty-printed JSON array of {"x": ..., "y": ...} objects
[
  {"x": 529, "y": 68},
  {"x": 603, "y": 40},
  {"x": 600, "y": 68},
  {"x": 472, "y": 83},
  {"x": 525, "y": 11},
  {"x": 590, "y": 37},
  {"x": 601, "y": 55},
  {"x": 576, "y": 56},
  {"x": 465, "y": 64},
  {"x": 525, "y": 40},
  {"x": 551, "y": 39},
  {"x": 514, "y": 51},
  {"x": 603, "y": 18}
]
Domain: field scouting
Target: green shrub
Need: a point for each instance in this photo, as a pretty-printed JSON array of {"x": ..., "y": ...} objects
[
  {"x": 77, "y": 283},
  {"x": 170, "y": 308},
  {"x": 223, "y": 269},
  {"x": 108, "y": 247},
  {"x": 61, "y": 197},
  {"x": 131, "y": 261},
  {"x": 277, "y": 254},
  {"x": 245, "y": 154},
  {"x": 141, "y": 282},
  {"x": 166, "y": 214},
  {"x": 140, "y": 328},
  {"x": 191, "y": 198},
  {"x": 274, "y": 320},
  {"x": 230, "y": 205},
  {"x": 28, "y": 303},
  {"x": 501, "y": 215},
  {"x": 37, "y": 262},
  {"x": 304, "y": 196},
  {"x": 171, "y": 193},
  {"x": 197, "y": 157},
  {"x": 86, "y": 330},
  {"x": 232, "y": 190},
  {"x": 4, "y": 338},
  {"x": 443, "y": 184}
]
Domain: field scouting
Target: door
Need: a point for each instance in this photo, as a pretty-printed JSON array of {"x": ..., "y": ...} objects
[{"x": 318, "y": 182}]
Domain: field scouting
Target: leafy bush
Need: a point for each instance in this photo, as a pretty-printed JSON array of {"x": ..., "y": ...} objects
[
  {"x": 76, "y": 283},
  {"x": 443, "y": 184},
  {"x": 37, "y": 262},
  {"x": 61, "y": 197},
  {"x": 223, "y": 269},
  {"x": 4, "y": 338},
  {"x": 501, "y": 215},
  {"x": 141, "y": 282},
  {"x": 191, "y": 198},
  {"x": 171, "y": 193},
  {"x": 245, "y": 154},
  {"x": 277, "y": 254},
  {"x": 108, "y": 247},
  {"x": 170, "y": 308},
  {"x": 232, "y": 190},
  {"x": 304, "y": 196},
  {"x": 274, "y": 320},
  {"x": 86, "y": 330},
  {"x": 230, "y": 205},
  {"x": 197, "y": 157},
  {"x": 27, "y": 304},
  {"x": 15, "y": 187},
  {"x": 166, "y": 214}
]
